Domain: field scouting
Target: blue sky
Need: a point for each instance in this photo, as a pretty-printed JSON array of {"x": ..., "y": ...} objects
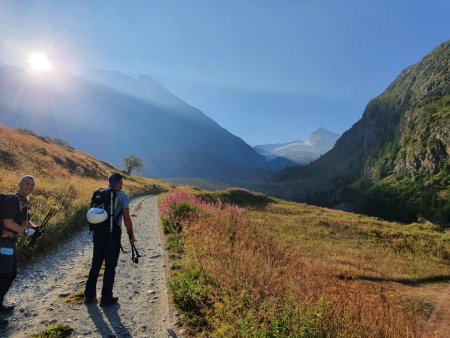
[{"x": 268, "y": 71}]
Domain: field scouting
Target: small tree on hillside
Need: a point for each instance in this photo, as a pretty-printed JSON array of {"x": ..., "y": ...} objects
[{"x": 132, "y": 162}]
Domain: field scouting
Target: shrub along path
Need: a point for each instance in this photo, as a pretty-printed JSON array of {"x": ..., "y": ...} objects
[{"x": 50, "y": 291}]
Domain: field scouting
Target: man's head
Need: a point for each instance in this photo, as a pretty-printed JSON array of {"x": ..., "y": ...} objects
[
  {"x": 115, "y": 181},
  {"x": 26, "y": 185}
]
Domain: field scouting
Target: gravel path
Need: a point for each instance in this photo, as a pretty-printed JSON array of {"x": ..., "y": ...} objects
[{"x": 41, "y": 291}]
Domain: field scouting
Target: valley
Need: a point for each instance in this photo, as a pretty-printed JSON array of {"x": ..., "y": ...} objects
[{"x": 304, "y": 233}]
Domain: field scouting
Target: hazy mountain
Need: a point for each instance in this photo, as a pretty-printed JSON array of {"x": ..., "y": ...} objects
[
  {"x": 301, "y": 152},
  {"x": 395, "y": 161},
  {"x": 110, "y": 116},
  {"x": 144, "y": 88}
]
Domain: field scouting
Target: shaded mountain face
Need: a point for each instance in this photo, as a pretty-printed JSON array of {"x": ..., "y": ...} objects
[
  {"x": 395, "y": 161},
  {"x": 301, "y": 152},
  {"x": 111, "y": 116},
  {"x": 144, "y": 88}
]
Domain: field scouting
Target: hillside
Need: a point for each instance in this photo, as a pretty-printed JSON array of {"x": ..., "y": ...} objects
[
  {"x": 110, "y": 116},
  {"x": 394, "y": 162},
  {"x": 65, "y": 180}
]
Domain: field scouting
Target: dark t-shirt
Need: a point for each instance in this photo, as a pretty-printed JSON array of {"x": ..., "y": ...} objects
[{"x": 14, "y": 208}]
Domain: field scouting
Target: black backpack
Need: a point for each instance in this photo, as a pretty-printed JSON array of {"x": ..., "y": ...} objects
[{"x": 107, "y": 200}]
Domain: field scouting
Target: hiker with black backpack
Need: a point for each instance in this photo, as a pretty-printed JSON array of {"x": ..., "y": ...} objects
[
  {"x": 108, "y": 208},
  {"x": 14, "y": 221}
]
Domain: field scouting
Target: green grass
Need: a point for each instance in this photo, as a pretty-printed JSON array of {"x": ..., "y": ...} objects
[
  {"x": 238, "y": 196},
  {"x": 174, "y": 245},
  {"x": 75, "y": 298},
  {"x": 55, "y": 331},
  {"x": 190, "y": 295}
]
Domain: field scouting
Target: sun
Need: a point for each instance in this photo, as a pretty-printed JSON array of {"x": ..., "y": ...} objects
[{"x": 39, "y": 62}]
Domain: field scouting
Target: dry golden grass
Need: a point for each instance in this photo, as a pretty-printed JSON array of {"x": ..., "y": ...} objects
[
  {"x": 356, "y": 245},
  {"x": 408, "y": 261},
  {"x": 282, "y": 269},
  {"x": 65, "y": 180}
]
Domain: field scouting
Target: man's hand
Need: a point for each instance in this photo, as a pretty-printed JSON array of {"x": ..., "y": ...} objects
[
  {"x": 34, "y": 233},
  {"x": 128, "y": 225},
  {"x": 131, "y": 237},
  {"x": 38, "y": 231},
  {"x": 30, "y": 232}
]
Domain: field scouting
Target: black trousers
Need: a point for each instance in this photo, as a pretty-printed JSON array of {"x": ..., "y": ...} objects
[
  {"x": 6, "y": 279},
  {"x": 106, "y": 249}
]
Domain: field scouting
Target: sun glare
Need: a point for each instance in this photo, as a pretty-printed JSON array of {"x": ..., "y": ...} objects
[{"x": 39, "y": 62}]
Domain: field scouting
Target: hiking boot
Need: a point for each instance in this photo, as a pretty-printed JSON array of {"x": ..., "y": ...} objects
[
  {"x": 108, "y": 302},
  {"x": 3, "y": 322},
  {"x": 6, "y": 308}
]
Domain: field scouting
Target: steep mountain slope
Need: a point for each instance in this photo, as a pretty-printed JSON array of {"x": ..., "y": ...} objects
[
  {"x": 112, "y": 121},
  {"x": 301, "y": 152},
  {"x": 395, "y": 161}
]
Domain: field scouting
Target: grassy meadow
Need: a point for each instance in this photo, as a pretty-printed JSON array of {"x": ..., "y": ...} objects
[
  {"x": 246, "y": 265},
  {"x": 65, "y": 180}
]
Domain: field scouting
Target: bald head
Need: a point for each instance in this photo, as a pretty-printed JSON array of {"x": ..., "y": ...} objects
[
  {"x": 26, "y": 178},
  {"x": 26, "y": 185}
]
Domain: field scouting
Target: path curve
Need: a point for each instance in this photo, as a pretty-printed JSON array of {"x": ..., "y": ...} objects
[{"x": 40, "y": 290}]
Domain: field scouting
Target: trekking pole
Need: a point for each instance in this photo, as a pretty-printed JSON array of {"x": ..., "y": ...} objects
[
  {"x": 135, "y": 254},
  {"x": 41, "y": 230}
]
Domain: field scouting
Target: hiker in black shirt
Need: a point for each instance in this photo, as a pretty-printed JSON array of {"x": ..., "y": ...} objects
[
  {"x": 14, "y": 221},
  {"x": 107, "y": 246}
]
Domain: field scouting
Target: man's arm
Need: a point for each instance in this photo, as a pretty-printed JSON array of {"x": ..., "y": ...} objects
[
  {"x": 10, "y": 225},
  {"x": 128, "y": 224},
  {"x": 12, "y": 208}
]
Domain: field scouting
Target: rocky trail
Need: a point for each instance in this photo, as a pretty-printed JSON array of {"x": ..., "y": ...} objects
[{"x": 44, "y": 293}]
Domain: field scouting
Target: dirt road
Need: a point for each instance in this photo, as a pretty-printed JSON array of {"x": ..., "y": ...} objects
[{"x": 41, "y": 292}]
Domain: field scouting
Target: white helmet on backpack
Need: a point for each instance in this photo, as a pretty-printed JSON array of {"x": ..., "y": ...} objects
[{"x": 96, "y": 215}]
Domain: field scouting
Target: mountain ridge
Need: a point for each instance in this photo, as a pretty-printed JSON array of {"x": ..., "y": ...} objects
[
  {"x": 173, "y": 140},
  {"x": 394, "y": 161}
]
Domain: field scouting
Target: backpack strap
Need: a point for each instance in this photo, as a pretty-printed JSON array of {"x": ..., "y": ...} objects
[
  {"x": 111, "y": 210},
  {"x": 115, "y": 205},
  {"x": 114, "y": 202}
]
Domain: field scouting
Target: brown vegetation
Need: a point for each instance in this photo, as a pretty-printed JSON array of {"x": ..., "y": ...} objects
[{"x": 282, "y": 269}]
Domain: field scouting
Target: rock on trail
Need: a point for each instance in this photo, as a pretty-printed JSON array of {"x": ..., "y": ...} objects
[{"x": 41, "y": 290}]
